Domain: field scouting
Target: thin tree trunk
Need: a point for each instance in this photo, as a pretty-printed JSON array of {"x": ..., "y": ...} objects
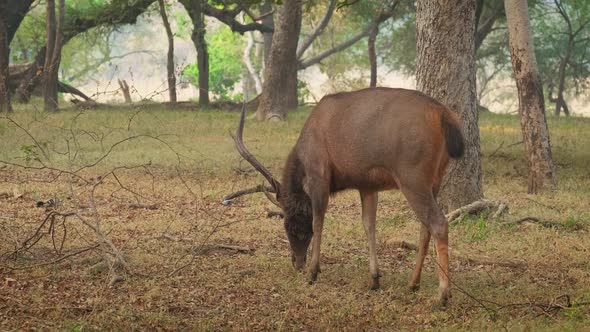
[
  {"x": 5, "y": 105},
  {"x": 248, "y": 62},
  {"x": 279, "y": 93},
  {"x": 530, "y": 97},
  {"x": 170, "y": 63},
  {"x": 267, "y": 36},
  {"x": 49, "y": 83},
  {"x": 372, "y": 54},
  {"x": 125, "y": 90},
  {"x": 561, "y": 79},
  {"x": 195, "y": 11},
  {"x": 445, "y": 70}
]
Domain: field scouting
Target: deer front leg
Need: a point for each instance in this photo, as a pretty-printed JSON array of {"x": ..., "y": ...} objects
[
  {"x": 319, "y": 202},
  {"x": 369, "y": 213}
]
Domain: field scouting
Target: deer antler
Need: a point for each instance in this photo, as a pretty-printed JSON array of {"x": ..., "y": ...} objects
[{"x": 276, "y": 185}]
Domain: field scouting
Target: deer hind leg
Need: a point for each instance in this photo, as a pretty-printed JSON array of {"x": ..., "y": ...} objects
[
  {"x": 422, "y": 201},
  {"x": 369, "y": 206},
  {"x": 319, "y": 195},
  {"x": 414, "y": 284}
]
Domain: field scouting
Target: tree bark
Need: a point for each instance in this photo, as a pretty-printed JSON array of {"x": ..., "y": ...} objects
[
  {"x": 530, "y": 97},
  {"x": 253, "y": 78},
  {"x": 5, "y": 105},
  {"x": 125, "y": 90},
  {"x": 195, "y": 11},
  {"x": 279, "y": 93},
  {"x": 445, "y": 70},
  {"x": 49, "y": 69},
  {"x": 170, "y": 63},
  {"x": 372, "y": 54},
  {"x": 268, "y": 20},
  {"x": 16, "y": 9}
]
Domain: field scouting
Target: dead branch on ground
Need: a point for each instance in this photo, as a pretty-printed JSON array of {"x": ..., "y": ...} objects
[{"x": 477, "y": 207}]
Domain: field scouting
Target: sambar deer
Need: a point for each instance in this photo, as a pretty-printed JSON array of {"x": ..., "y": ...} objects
[{"x": 370, "y": 140}]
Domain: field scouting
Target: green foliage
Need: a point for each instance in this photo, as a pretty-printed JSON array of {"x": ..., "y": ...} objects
[
  {"x": 225, "y": 67},
  {"x": 30, "y": 37},
  {"x": 551, "y": 42}
]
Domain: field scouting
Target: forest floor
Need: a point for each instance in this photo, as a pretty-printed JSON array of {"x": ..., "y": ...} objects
[{"x": 148, "y": 184}]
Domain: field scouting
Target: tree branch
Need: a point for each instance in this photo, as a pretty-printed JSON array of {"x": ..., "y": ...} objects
[
  {"x": 229, "y": 17},
  {"x": 318, "y": 31}
]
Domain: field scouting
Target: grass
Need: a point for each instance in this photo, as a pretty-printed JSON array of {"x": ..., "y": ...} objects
[{"x": 191, "y": 163}]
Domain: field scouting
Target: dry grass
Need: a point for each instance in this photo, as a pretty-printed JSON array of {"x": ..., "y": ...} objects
[{"x": 223, "y": 289}]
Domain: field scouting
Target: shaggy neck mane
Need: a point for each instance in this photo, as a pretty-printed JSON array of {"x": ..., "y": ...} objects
[{"x": 296, "y": 203}]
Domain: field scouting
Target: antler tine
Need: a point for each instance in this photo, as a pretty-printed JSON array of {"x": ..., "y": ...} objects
[{"x": 276, "y": 185}]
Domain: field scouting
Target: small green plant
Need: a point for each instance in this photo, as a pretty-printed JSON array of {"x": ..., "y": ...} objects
[{"x": 30, "y": 153}]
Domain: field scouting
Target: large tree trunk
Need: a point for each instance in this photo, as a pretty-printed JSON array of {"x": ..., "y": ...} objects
[
  {"x": 170, "y": 63},
  {"x": 445, "y": 70},
  {"x": 279, "y": 93},
  {"x": 16, "y": 9},
  {"x": 530, "y": 96},
  {"x": 5, "y": 105}
]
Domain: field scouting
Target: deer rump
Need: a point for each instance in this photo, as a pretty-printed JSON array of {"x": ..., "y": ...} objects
[{"x": 370, "y": 140}]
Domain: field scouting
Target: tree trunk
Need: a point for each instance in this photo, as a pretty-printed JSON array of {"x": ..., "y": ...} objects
[
  {"x": 372, "y": 55},
  {"x": 530, "y": 97},
  {"x": 49, "y": 81},
  {"x": 16, "y": 10},
  {"x": 5, "y": 105},
  {"x": 195, "y": 11},
  {"x": 268, "y": 21},
  {"x": 560, "y": 103},
  {"x": 31, "y": 78},
  {"x": 279, "y": 93},
  {"x": 170, "y": 63},
  {"x": 445, "y": 70},
  {"x": 125, "y": 90},
  {"x": 252, "y": 80}
]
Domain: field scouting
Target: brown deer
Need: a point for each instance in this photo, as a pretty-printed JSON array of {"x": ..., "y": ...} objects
[{"x": 370, "y": 140}]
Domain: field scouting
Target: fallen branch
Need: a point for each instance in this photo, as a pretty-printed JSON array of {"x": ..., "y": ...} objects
[
  {"x": 144, "y": 206},
  {"x": 63, "y": 87},
  {"x": 543, "y": 223},
  {"x": 477, "y": 207}
]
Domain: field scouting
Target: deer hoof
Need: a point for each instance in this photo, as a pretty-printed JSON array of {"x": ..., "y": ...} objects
[
  {"x": 414, "y": 287},
  {"x": 375, "y": 281},
  {"x": 313, "y": 276},
  {"x": 444, "y": 298}
]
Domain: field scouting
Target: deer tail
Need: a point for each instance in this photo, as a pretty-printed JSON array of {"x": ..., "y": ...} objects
[{"x": 454, "y": 138}]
